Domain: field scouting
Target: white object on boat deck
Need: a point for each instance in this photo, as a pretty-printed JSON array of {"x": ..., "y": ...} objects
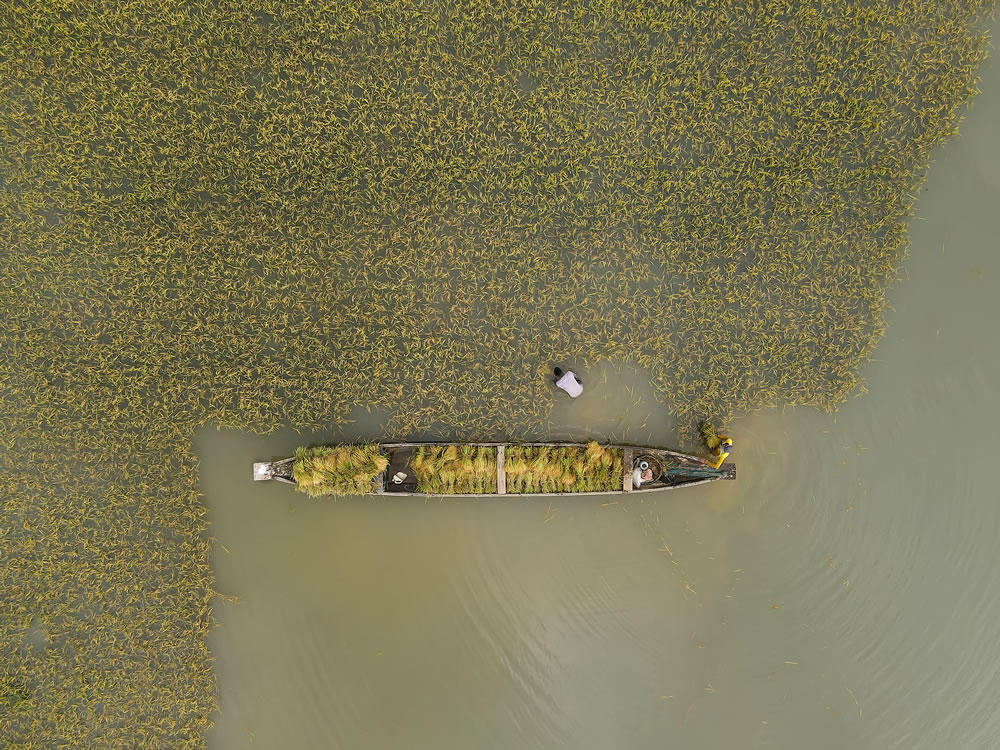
[
  {"x": 569, "y": 383},
  {"x": 261, "y": 471}
]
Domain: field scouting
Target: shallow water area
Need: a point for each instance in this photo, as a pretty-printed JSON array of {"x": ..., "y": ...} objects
[{"x": 836, "y": 595}]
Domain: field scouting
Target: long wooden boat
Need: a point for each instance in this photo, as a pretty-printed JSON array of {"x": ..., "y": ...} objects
[{"x": 670, "y": 469}]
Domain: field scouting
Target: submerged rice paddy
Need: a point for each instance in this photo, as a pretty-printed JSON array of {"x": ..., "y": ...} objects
[{"x": 253, "y": 215}]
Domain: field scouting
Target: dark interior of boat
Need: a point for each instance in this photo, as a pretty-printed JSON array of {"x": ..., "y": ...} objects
[{"x": 399, "y": 469}]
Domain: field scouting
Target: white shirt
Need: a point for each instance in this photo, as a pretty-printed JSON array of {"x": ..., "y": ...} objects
[
  {"x": 569, "y": 384},
  {"x": 637, "y": 479}
]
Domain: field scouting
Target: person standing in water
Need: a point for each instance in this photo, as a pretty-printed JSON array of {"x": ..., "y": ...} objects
[{"x": 568, "y": 381}]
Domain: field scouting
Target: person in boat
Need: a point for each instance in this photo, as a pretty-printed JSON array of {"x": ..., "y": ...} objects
[
  {"x": 641, "y": 473},
  {"x": 568, "y": 381},
  {"x": 721, "y": 452}
]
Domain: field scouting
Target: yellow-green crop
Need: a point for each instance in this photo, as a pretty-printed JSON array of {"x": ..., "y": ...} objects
[{"x": 252, "y": 213}]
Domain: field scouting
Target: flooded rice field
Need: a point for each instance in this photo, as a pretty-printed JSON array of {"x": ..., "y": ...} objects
[
  {"x": 838, "y": 594},
  {"x": 390, "y": 222}
]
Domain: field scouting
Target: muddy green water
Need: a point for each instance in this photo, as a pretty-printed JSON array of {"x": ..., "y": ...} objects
[{"x": 841, "y": 594}]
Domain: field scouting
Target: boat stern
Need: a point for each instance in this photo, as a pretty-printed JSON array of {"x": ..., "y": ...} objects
[{"x": 262, "y": 471}]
